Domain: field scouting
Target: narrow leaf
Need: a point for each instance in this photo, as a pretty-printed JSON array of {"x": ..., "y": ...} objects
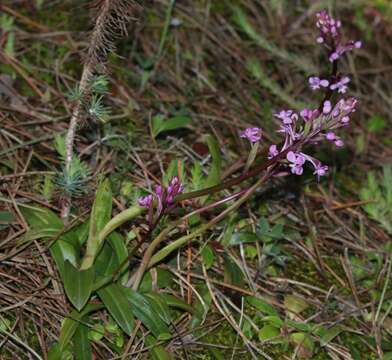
[
  {"x": 82, "y": 346},
  {"x": 146, "y": 311}
]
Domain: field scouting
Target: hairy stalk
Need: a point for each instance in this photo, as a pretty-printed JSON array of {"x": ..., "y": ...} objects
[
  {"x": 150, "y": 260},
  {"x": 113, "y": 17}
]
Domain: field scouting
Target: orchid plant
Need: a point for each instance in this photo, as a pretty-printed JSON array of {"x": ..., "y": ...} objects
[
  {"x": 298, "y": 130},
  {"x": 308, "y": 127}
]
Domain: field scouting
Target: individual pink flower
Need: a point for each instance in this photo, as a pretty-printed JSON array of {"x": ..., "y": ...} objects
[
  {"x": 331, "y": 136},
  {"x": 341, "y": 85},
  {"x": 252, "y": 134},
  {"x": 297, "y": 161},
  {"x": 316, "y": 82},
  {"x": 327, "y": 107},
  {"x": 272, "y": 151},
  {"x": 145, "y": 201},
  {"x": 309, "y": 115},
  {"x": 320, "y": 170},
  {"x": 287, "y": 116}
]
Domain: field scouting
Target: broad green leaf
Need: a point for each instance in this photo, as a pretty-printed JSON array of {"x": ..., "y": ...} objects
[
  {"x": 164, "y": 279},
  {"x": 262, "y": 305},
  {"x": 147, "y": 312},
  {"x": 36, "y": 234},
  {"x": 39, "y": 218},
  {"x": 100, "y": 215},
  {"x": 208, "y": 256},
  {"x": 268, "y": 332},
  {"x": 62, "y": 251},
  {"x": 72, "y": 322},
  {"x": 106, "y": 262},
  {"x": 82, "y": 346},
  {"x": 78, "y": 284},
  {"x": 116, "y": 241},
  {"x": 160, "y": 305},
  {"x": 243, "y": 238},
  {"x": 118, "y": 306},
  {"x": 159, "y": 124}
]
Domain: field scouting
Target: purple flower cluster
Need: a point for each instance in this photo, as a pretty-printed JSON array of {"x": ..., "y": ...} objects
[
  {"x": 314, "y": 125},
  {"x": 164, "y": 196},
  {"x": 331, "y": 37}
]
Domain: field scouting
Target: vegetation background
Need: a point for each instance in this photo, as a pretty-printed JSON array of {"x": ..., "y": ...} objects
[{"x": 312, "y": 282}]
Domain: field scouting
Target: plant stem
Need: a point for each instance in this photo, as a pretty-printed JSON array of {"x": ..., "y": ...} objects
[
  {"x": 113, "y": 224},
  {"x": 150, "y": 260}
]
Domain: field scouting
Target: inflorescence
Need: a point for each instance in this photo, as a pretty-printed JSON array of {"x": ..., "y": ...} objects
[{"x": 309, "y": 126}]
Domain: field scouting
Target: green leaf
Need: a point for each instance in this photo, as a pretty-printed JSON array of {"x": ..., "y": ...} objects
[
  {"x": 106, "y": 262},
  {"x": 39, "y": 218},
  {"x": 100, "y": 215},
  {"x": 233, "y": 273},
  {"x": 262, "y": 305},
  {"x": 78, "y": 284},
  {"x": 158, "y": 352},
  {"x": 208, "y": 256},
  {"x": 294, "y": 304},
  {"x": 82, "y": 346},
  {"x": 118, "y": 306},
  {"x": 215, "y": 170},
  {"x": 160, "y": 125},
  {"x": 147, "y": 312},
  {"x": 329, "y": 335},
  {"x": 61, "y": 252},
  {"x": 175, "y": 302},
  {"x": 243, "y": 237},
  {"x": 160, "y": 305},
  {"x": 116, "y": 241},
  {"x": 72, "y": 322},
  {"x": 273, "y": 320},
  {"x": 97, "y": 332},
  {"x": 5, "y": 219},
  {"x": 268, "y": 332},
  {"x": 299, "y": 325},
  {"x": 304, "y": 343}
]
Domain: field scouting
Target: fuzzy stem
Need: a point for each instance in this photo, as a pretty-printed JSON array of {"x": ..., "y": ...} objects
[{"x": 101, "y": 44}]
